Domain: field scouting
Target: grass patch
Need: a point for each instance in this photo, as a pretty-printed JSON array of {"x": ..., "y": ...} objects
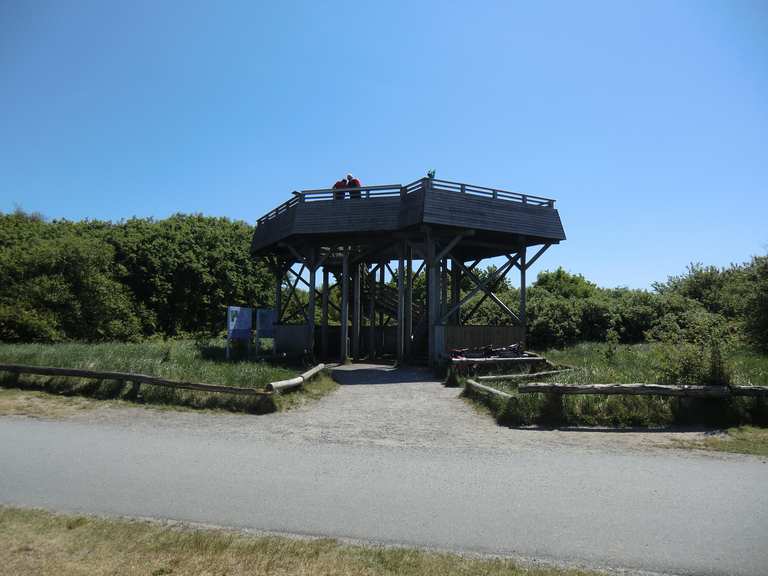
[
  {"x": 316, "y": 388},
  {"x": 187, "y": 360},
  {"x": 37, "y": 542},
  {"x": 37, "y": 404},
  {"x": 640, "y": 363},
  {"x": 742, "y": 440}
]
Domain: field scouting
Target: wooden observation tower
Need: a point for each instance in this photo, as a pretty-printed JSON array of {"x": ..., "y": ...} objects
[{"x": 400, "y": 256}]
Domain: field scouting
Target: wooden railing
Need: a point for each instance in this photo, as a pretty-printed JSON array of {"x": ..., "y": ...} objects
[
  {"x": 394, "y": 190},
  {"x": 447, "y": 186}
]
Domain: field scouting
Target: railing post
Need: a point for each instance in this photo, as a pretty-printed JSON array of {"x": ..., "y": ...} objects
[
  {"x": 495, "y": 195},
  {"x": 525, "y": 199},
  {"x": 463, "y": 188},
  {"x": 403, "y": 193}
]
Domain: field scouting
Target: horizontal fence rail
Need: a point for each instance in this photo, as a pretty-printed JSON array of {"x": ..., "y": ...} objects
[
  {"x": 402, "y": 191},
  {"x": 687, "y": 391},
  {"x": 626, "y": 389},
  {"x": 285, "y": 385},
  {"x": 272, "y": 387},
  {"x": 483, "y": 389},
  {"x": 128, "y": 377}
]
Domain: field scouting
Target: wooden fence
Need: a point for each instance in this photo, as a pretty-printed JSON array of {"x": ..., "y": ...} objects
[
  {"x": 272, "y": 387},
  {"x": 627, "y": 389}
]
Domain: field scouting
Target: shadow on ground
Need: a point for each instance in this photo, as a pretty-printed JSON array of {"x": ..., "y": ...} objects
[{"x": 353, "y": 374}]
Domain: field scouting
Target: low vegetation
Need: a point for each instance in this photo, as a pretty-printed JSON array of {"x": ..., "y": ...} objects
[
  {"x": 742, "y": 440},
  {"x": 37, "y": 542},
  {"x": 640, "y": 363},
  {"x": 37, "y": 404},
  {"x": 187, "y": 360}
]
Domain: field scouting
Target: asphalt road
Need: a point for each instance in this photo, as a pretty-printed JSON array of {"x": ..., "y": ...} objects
[{"x": 661, "y": 511}]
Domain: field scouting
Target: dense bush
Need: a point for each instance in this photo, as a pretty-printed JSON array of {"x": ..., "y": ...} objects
[
  {"x": 756, "y": 304},
  {"x": 565, "y": 308},
  {"x": 94, "y": 280}
]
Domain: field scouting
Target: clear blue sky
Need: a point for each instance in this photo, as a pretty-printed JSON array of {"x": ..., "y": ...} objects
[{"x": 647, "y": 121}]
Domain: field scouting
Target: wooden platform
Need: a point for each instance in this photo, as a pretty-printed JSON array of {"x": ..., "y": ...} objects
[
  {"x": 437, "y": 233},
  {"x": 500, "y": 219}
]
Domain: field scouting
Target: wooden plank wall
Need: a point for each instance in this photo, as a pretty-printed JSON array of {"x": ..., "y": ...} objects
[
  {"x": 342, "y": 216},
  {"x": 292, "y": 339},
  {"x": 468, "y": 211}
]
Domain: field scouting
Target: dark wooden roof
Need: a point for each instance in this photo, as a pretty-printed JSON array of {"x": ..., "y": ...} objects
[{"x": 501, "y": 220}]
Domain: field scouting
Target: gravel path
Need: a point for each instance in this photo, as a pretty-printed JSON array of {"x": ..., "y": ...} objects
[{"x": 377, "y": 405}]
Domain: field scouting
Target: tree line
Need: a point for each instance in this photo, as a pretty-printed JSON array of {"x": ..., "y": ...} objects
[{"x": 96, "y": 281}]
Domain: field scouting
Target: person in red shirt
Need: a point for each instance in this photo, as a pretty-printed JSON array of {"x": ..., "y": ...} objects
[
  {"x": 353, "y": 182},
  {"x": 339, "y": 187}
]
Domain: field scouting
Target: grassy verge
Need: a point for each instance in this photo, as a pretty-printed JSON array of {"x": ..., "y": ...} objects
[
  {"x": 37, "y": 542},
  {"x": 37, "y": 404},
  {"x": 598, "y": 364},
  {"x": 742, "y": 440},
  {"x": 178, "y": 360}
]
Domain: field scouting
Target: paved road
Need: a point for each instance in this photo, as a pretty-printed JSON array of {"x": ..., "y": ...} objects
[{"x": 656, "y": 510}]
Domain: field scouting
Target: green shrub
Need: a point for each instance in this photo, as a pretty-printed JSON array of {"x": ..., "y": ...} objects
[{"x": 756, "y": 319}]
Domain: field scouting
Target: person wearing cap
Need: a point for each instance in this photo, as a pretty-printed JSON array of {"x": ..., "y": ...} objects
[
  {"x": 353, "y": 182},
  {"x": 339, "y": 189}
]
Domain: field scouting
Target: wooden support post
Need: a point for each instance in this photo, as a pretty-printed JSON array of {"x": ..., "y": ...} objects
[
  {"x": 443, "y": 286},
  {"x": 455, "y": 292},
  {"x": 401, "y": 302},
  {"x": 311, "y": 301},
  {"x": 371, "y": 315},
  {"x": 522, "y": 294},
  {"x": 278, "y": 302},
  {"x": 324, "y": 316},
  {"x": 433, "y": 297},
  {"x": 356, "y": 311},
  {"x": 408, "y": 300},
  {"x": 381, "y": 310},
  {"x": 344, "y": 305}
]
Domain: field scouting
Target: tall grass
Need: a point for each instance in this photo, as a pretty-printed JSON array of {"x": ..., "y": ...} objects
[
  {"x": 186, "y": 360},
  {"x": 597, "y": 363},
  {"x": 641, "y": 363}
]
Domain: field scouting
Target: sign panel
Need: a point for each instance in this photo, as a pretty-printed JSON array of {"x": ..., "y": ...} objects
[
  {"x": 265, "y": 322},
  {"x": 239, "y": 323}
]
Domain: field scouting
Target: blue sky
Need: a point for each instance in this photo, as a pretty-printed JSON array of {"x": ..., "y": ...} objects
[{"x": 647, "y": 121}]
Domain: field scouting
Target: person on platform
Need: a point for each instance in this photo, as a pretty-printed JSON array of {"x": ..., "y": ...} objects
[
  {"x": 353, "y": 182},
  {"x": 338, "y": 188}
]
